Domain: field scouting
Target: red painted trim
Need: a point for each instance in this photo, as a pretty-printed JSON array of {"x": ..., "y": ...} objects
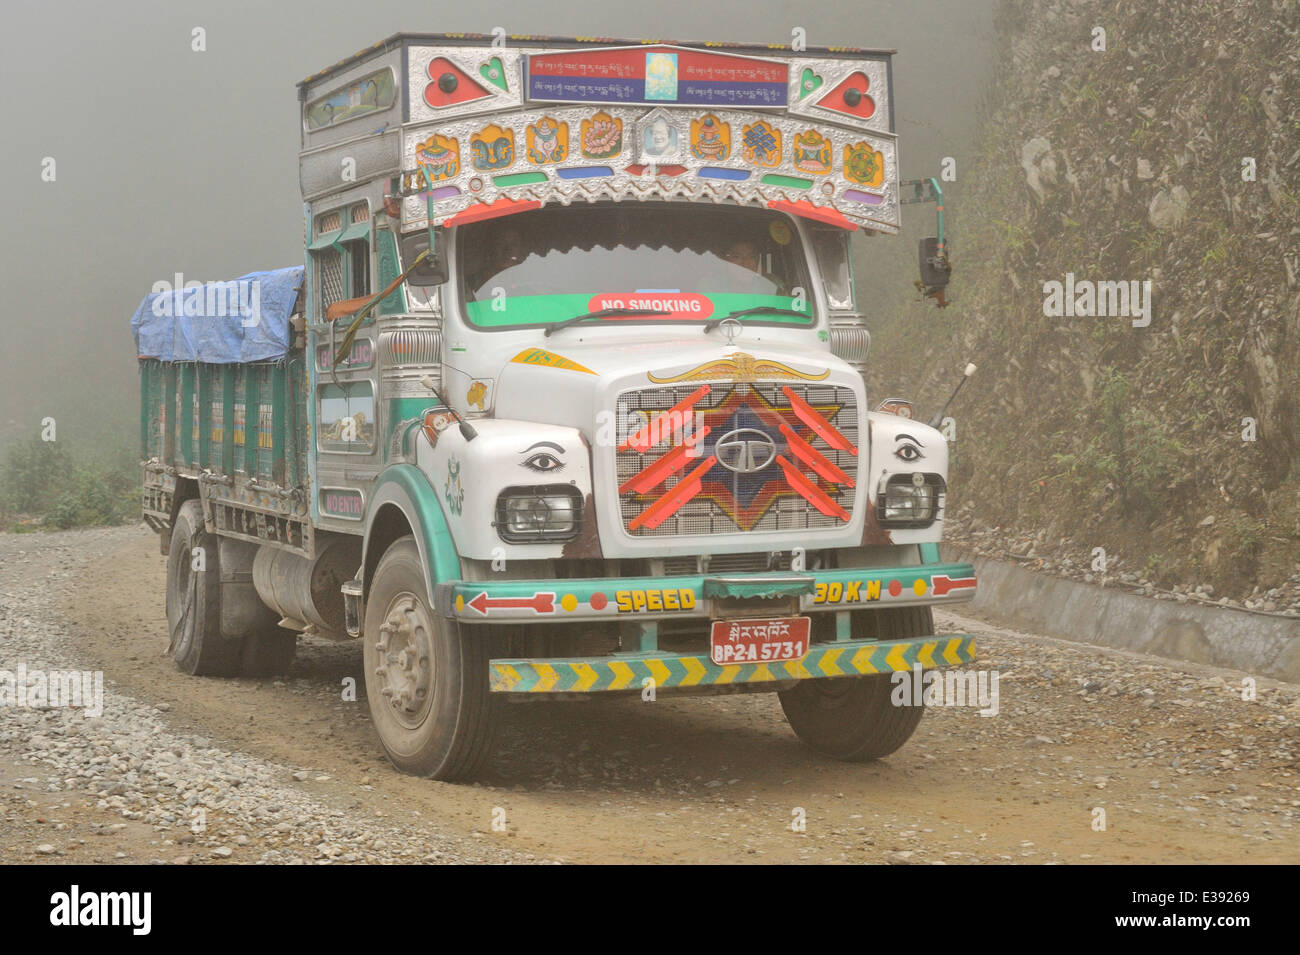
[
  {"x": 942, "y": 584},
  {"x": 810, "y": 456},
  {"x": 655, "y": 426},
  {"x": 809, "y": 211},
  {"x": 809, "y": 491},
  {"x": 672, "y": 502},
  {"x": 665, "y": 467},
  {"x": 492, "y": 210},
  {"x": 823, "y": 428}
]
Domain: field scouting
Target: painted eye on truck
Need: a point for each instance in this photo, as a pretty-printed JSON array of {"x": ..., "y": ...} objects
[
  {"x": 546, "y": 460},
  {"x": 908, "y": 450}
]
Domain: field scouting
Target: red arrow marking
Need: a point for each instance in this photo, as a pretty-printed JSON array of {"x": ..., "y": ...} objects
[
  {"x": 540, "y": 603},
  {"x": 942, "y": 584}
]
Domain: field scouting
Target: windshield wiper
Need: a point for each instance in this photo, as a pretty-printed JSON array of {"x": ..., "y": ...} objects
[
  {"x": 713, "y": 323},
  {"x": 602, "y": 313}
]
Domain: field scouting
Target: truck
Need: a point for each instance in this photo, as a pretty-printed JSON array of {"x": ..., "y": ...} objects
[{"x": 566, "y": 399}]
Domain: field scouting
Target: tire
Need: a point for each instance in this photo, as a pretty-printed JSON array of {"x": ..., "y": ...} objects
[
  {"x": 269, "y": 653},
  {"x": 426, "y": 679},
  {"x": 853, "y": 718},
  {"x": 194, "y": 600}
]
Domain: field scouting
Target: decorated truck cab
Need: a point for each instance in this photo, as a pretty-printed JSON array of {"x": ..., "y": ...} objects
[{"x": 567, "y": 398}]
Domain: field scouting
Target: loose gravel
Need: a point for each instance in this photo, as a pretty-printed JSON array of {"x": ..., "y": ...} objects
[{"x": 203, "y": 803}]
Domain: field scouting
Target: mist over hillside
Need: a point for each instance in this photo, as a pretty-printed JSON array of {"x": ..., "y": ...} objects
[
  {"x": 171, "y": 160},
  {"x": 1170, "y": 157}
]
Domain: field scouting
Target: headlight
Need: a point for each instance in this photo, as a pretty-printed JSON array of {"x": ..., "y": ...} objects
[
  {"x": 910, "y": 500},
  {"x": 548, "y": 513}
]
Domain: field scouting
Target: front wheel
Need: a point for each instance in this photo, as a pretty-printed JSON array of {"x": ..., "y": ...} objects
[
  {"x": 854, "y": 718},
  {"x": 426, "y": 679}
]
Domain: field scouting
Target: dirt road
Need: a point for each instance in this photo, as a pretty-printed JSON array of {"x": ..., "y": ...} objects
[{"x": 1183, "y": 768}]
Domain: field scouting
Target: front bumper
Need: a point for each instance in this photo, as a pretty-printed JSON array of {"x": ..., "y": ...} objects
[
  {"x": 634, "y": 671},
  {"x": 661, "y": 598},
  {"x": 648, "y": 600}
]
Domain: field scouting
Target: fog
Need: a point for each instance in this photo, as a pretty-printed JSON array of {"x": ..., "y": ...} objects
[{"x": 169, "y": 160}]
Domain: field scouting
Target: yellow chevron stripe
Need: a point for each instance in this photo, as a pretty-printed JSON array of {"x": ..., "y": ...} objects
[
  {"x": 694, "y": 670},
  {"x": 828, "y": 664},
  {"x": 831, "y": 662},
  {"x": 585, "y": 674},
  {"x": 729, "y": 673},
  {"x": 926, "y": 654},
  {"x": 622, "y": 674},
  {"x": 861, "y": 661},
  {"x": 659, "y": 671},
  {"x": 547, "y": 677},
  {"x": 950, "y": 651}
]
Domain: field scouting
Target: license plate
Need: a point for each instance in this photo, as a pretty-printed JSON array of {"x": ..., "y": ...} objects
[{"x": 758, "y": 640}]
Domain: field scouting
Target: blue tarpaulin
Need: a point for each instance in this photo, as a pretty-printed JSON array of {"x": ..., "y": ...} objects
[{"x": 223, "y": 323}]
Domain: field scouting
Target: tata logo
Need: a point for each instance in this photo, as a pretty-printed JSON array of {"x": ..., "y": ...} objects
[{"x": 745, "y": 450}]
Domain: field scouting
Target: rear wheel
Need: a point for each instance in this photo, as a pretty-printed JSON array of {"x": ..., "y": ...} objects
[
  {"x": 194, "y": 599},
  {"x": 854, "y": 718},
  {"x": 426, "y": 679}
]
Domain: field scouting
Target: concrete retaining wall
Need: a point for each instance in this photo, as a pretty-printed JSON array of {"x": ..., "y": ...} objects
[{"x": 1259, "y": 645}]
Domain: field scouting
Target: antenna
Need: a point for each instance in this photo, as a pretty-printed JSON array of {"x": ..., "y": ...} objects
[{"x": 938, "y": 418}]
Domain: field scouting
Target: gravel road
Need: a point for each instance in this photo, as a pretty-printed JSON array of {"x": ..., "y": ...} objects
[{"x": 182, "y": 770}]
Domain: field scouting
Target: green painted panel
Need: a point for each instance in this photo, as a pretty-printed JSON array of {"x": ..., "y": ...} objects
[
  {"x": 401, "y": 409},
  {"x": 431, "y": 525},
  {"x": 186, "y": 417},
  {"x": 541, "y": 309},
  {"x": 787, "y": 182},
  {"x": 205, "y": 415},
  {"x": 325, "y": 240},
  {"x": 251, "y": 407},
  {"x": 518, "y": 179},
  {"x": 795, "y": 586},
  {"x": 389, "y": 269},
  {"x": 228, "y": 419}
]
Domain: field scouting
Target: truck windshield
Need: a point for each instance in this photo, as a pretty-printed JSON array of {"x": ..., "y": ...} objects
[{"x": 693, "y": 261}]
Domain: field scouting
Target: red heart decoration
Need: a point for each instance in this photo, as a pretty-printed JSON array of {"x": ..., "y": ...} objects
[{"x": 835, "y": 99}]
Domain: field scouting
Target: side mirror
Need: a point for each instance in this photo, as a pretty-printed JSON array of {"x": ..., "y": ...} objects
[
  {"x": 433, "y": 270},
  {"x": 936, "y": 270}
]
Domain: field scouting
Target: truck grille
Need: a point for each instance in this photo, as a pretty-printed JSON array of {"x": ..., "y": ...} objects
[{"x": 784, "y": 458}]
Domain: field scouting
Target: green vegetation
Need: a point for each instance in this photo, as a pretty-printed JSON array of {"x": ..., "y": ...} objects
[
  {"x": 1129, "y": 453},
  {"x": 61, "y": 484}
]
